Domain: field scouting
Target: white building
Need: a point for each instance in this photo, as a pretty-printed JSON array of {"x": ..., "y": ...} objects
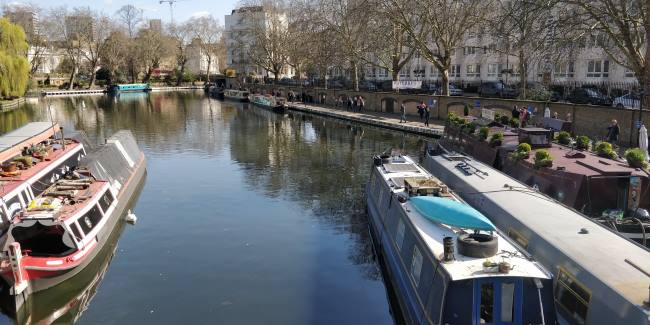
[
  {"x": 239, "y": 41},
  {"x": 197, "y": 60}
]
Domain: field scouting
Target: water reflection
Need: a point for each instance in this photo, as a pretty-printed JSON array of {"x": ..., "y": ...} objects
[{"x": 244, "y": 210}]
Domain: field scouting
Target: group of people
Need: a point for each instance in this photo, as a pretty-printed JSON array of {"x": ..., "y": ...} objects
[
  {"x": 522, "y": 114},
  {"x": 424, "y": 112},
  {"x": 355, "y": 104}
]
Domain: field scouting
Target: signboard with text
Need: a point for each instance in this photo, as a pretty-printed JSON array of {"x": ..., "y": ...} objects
[
  {"x": 407, "y": 84},
  {"x": 487, "y": 114}
]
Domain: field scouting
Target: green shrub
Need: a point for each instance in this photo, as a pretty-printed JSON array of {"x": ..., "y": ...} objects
[
  {"x": 582, "y": 142},
  {"x": 543, "y": 159},
  {"x": 496, "y": 139},
  {"x": 524, "y": 147},
  {"x": 564, "y": 138},
  {"x": 635, "y": 158},
  {"x": 483, "y": 133},
  {"x": 505, "y": 120},
  {"x": 469, "y": 128},
  {"x": 497, "y": 117},
  {"x": 514, "y": 122},
  {"x": 455, "y": 120},
  {"x": 605, "y": 149}
]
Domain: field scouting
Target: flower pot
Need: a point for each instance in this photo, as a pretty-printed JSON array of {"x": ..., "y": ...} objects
[{"x": 10, "y": 167}]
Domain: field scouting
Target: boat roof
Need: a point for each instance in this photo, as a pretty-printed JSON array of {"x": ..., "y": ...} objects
[
  {"x": 617, "y": 262},
  {"x": 432, "y": 233},
  {"x": 13, "y": 142},
  {"x": 9, "y": 183}
]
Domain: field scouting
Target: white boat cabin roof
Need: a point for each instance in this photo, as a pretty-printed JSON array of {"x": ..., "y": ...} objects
[
  {"x": 608, "y": 256},
  {"x": 432, "y": 233}
]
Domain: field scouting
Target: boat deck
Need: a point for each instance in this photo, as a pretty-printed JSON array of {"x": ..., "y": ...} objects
[
  {"x": 622, "y": 265},
  {"x": 432, "y": 233},
  {"x": 7, "y": 184},
  {"x": 77, "y": 201}
]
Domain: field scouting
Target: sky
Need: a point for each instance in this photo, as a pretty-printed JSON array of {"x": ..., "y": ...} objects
[{"x": 151, "y": 9}]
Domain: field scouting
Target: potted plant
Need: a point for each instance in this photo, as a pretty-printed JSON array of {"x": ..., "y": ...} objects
[
  {"x": 605, "y": 149},
  {"x": 9, "y": 167},
  {"x": 564, "y": 138},
  {"x": 522, "y": 152},
  {"x": 496, "y": 139},
  {"x": 543, "y": 159},
  {"x": 514, "y": 122},
  {"x": 636, "y": 158},
  {"x": 582, "y": 142},
  {"x": 483, "y": 133}
]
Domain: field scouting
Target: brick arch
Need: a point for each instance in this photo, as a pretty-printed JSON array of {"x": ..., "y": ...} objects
[
  {"x": 389, "y": 104},
  {"x": 500, "y": 109},
  {"x": 457, "y": 108}
]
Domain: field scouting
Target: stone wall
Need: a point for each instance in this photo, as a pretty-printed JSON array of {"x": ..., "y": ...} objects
[{"x": 587, "y": 119}]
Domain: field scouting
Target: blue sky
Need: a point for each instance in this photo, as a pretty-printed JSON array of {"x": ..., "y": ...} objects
[{"x": 183, "y": 9}]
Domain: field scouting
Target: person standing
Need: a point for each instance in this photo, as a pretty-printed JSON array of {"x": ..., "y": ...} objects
[
  {"x": 515, "y": 112},
  {"x": 612, "y": 132},
  {"x": 362, "y": 103},
  {"x": 421, "y": 112},
  {"x": 427, "y": 114},
  {"x": 349, "y": 103},
  {"x": 402, "y": 110}
]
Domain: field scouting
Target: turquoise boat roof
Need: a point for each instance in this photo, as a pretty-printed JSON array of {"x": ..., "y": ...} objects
[{"x": 451, "y": 213}]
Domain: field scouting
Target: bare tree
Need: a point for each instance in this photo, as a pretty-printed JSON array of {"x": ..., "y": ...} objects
[
  {"x": 95, "y": 42},
  {"x": 208, "y": 32},
  {"x": 268, "y": 35},
  {"x": 624, "y": 30},
  {"x": 151, "y": 46},
  {"x": 115, "y": 50},
  {"x": 181, "y": 35},
  {"x": 131, "y": 18},
  {"x": 438, "y": 27},
  {"x": 67, "y": 30}
]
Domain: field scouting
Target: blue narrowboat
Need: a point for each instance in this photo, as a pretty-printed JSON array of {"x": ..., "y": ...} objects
[
  {"x": 124, "y": 88},
  {"x": 445, "y": 262}
]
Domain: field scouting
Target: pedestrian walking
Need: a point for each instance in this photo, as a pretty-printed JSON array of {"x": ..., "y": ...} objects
[
  {"x": 354, "y": 104},
  {"x": 421, "y": 112},
  {"x": 427, "y": 114},
  {"x": 515, "y": 112},
  {"x": 402, "y": 116},
  {"x": 362, "y": 103},
  {"x": 349, "y": 103},
  {"x": 612, "y": 132}
]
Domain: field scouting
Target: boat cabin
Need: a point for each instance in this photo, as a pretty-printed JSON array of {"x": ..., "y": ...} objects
[{"x": 448, "y": 263}]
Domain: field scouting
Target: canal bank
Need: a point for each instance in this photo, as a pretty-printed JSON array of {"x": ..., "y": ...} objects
[{"x": 383, "y": 120}]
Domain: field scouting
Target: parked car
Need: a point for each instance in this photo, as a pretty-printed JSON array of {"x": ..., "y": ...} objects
[
  {"x": 627, "y": 101},
  {"x": 335, "y": 84},
  {"x": 367, "y": 85},
  {"x": 496, "y": 89},
  {"x": 431, "y": 89},
  {"x": 455, "y": 91},
  {"x": 588, "y": 96},
  {"x": 537, "y": 91}
]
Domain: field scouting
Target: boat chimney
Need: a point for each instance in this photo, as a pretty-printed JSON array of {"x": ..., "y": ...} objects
[{"x": 448, "y": 245}]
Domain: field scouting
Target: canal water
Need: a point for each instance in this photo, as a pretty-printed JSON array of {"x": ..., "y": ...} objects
[{"x": 245, "y": 217}]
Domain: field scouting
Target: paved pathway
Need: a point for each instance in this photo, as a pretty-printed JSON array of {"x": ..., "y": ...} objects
[{"x": 386, "y": 120}]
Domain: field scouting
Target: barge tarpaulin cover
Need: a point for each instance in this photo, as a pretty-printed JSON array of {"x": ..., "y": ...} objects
[{"x": 116, "y": 160}]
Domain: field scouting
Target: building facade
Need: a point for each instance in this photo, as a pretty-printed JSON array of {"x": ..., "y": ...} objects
[{"x": 197, "y": 60}]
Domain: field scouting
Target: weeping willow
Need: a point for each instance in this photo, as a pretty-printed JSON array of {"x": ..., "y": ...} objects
[{"x": 14, "y": 68}]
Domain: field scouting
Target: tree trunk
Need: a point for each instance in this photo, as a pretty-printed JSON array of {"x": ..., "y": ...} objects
[
  {"x": 444, "y": 73},
  {"x": 355, "y": 75},
  {"x": 179, "y": 77},
  {"x": 72, "y": 75},
  {"x": 523, "y": 74},
  {"x": 93, "y": 76},
  {"x": 207, "y": 71}
]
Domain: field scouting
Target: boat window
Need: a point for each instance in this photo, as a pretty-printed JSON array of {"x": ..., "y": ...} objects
[
  {"x": 416, "y": 265},
  {"x": 572, "y": 296},
  {"x": 399, "y": 240},
  {"x": 13, "y": 206},
  {"x": 106, "y": 201},
  {"x": 90, "y": 219},
  {"x": 3, "y": 215},
  {"x": 75, "y": 230},
  {"x": 487, "y": 303},
  {"x": 507, "y": 301}
]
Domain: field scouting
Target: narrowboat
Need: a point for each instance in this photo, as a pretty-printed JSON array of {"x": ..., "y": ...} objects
[
  {"x": 129, "y": 88},
  {"x": 63, "y": 229},
  {"x": 447, "y": 263},
  {"x": 33, "y": 157},
  {"x": 276, "y": 104},
  {"x": 606, "y": 189},
  {"x": 237, "y": 95},
  {"x": 600, "y": 277}
]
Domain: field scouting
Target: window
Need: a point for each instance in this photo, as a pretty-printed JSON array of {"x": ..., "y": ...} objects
[
  {"x": 90, "y": 219},
  {"x": 404, "y": 73},
  {"x": 434, "y": 73},
  {"x": 468, "y": 50},
  {"x": 572, "y": 296},
  {"x": 455, "y": 71},
  {"x": 399, "y": 240},
  {"x": 597, "y": 69},
  {"x": 629, "y": 73},
  {"x": 370, "y": 72},
  {"x": 487, "y": 303},
  {"x": 518, "y": 237},
  {"x": 106, "y": 200},
  {"x": 382, "y": 73},
  {"x": 473, "y": 70},
  {"x": 416, "y": 265},
  {"x": 76, "y": 231},
  {"x": 507, "y": 302},
  {"x": 564, "y": 70},
  {"x": 418, "y": 72},
  {"x": 493, "y": 70}
]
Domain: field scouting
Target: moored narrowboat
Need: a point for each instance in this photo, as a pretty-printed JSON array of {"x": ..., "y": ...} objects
[
  {"x": 446, "y": 263},
  {"x": 64, "y": 227},
  {"x": 276, "y": 104},
  {"x": 129, "y": 88},
  {"x": 237, "y": 95}
]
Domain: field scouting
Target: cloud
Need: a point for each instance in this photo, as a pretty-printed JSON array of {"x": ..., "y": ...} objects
[
  {"x": 200, "y": 14},
  {"x": 16, "y": 4},
  {"x": 108, "y": 2}
]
